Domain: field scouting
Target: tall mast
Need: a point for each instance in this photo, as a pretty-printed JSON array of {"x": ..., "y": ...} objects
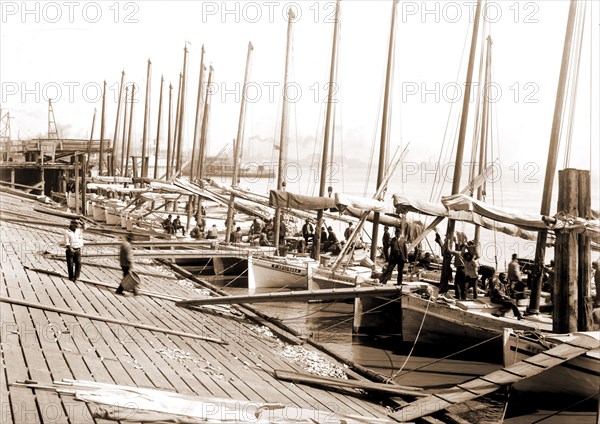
[
  {"x": 130, "y": 128},
  {"x": 237, "y": 150},
  {"x": 123, "y": 138},
  {"x": 460, "y": 148},
  {"x": 176, "y": 127},
  {"x": 89, "y": 149},
  {"x": 181, "y": 113},
  {"x": 197, "y": 121},
  {"x": 540, "y": 248},
  {"x": 169, "y": 133},
  {"x": 204, "y": 131},
  {"x": 384, "y": 125},
  {"x": 283, "y": 133},
  {"x": 328, "y": 113},
  {"x": 113, "y": 162},
  {"x": 156, "y": 153},
  {"x": 101, "y": 161},
  {"x": 146, "y": 123},
  {"x": 484, "y": 126}
]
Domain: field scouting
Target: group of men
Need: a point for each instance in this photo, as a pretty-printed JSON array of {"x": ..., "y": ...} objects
[
  {"x": 330, "y": 241},
  {"x": 171, "y": 225}
]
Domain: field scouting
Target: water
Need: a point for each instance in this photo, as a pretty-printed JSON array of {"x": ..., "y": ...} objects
[{"x": 432, "y": 368}]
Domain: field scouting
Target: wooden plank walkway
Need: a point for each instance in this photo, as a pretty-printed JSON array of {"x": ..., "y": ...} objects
[
  {"x": 491, "y": 382},
  {"x": 45, "y": 345}
]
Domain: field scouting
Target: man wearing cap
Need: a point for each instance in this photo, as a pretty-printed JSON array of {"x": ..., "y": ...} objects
[
  {"x": 332, "y": 241},
  {"x": 74, "y": 245},
  {"x": 386, "y": 240},
  {"x": 398, "y": 256},
  {"x": 308, "y": 231}
]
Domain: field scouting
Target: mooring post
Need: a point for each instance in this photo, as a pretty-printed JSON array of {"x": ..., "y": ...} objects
[
  {"x": 585, "y": 302},
  {"x": 565, "y": 316}
]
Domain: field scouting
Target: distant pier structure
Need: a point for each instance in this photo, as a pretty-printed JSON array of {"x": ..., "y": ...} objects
[{"x": 46, "y": 165}]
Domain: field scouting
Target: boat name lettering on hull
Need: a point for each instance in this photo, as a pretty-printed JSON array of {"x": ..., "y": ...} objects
[{"x": 286, "y": 268}]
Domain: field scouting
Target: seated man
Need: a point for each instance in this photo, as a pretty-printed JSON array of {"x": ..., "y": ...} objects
[
  {"x": 500, "y": 297},
  {"x": 212, "y": 233},
  {"x": 197, "y": 232},
  {"x": 332, "y": 243},
  {"x": 177, "y": 226},
  {"x": 167, "y": 224}
]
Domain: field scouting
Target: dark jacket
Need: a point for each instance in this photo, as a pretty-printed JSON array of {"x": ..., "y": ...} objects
[{"x": 398, "y": 250}]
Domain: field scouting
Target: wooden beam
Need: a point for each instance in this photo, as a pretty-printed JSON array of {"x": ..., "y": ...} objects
[
  {"x": 311, "y": 379},
  {"x": 103, "y": 284},
  {"x": 4, "y": 299},
  {"x": 297, "y": 296}
]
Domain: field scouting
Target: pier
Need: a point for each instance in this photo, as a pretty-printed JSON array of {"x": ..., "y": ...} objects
[{"x": 56, "y": 330}]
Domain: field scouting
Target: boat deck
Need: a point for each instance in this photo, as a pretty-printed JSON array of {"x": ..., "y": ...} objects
[{"x": 54, "y": 329}]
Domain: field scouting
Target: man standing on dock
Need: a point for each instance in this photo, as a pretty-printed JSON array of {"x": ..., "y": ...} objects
[{"x": 74, "y": 245}]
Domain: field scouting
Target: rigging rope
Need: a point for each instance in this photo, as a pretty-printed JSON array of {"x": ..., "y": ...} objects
[{"x": 574, "y": 83}]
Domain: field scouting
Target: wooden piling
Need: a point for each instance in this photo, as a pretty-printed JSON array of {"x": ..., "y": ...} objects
[
  {"x": 584, "y": 295},
  {"x": 565, "y": 316}
]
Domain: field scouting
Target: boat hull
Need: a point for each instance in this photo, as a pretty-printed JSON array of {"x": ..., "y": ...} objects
[
  {"x": 113, "y": 216},
  {"x": 99, "y": 213},
  {"x": 279, "y": 272},
  {"x": 446, "y": 323},
  {"x": 578, "y": 377}
]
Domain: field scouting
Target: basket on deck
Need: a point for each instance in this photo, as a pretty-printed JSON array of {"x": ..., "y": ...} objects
[{"x": 131, "y": 281}]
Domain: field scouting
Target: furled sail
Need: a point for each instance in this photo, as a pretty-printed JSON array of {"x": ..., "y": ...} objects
[{"x": 284, "y": 199}]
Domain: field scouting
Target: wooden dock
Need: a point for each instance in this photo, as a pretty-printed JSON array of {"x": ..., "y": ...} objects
[{"x": 54, "y": 329}]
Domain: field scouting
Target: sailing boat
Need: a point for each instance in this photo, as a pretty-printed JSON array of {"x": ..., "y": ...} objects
[
  {"x": 281, "y": 271},
  {"x": 469, "y": 321}
]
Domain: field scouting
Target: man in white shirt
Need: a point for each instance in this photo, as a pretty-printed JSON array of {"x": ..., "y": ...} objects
[{"x": 74, "y": 246}]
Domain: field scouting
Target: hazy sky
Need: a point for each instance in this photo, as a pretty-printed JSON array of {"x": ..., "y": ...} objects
[{"x": 64, "y": 50}]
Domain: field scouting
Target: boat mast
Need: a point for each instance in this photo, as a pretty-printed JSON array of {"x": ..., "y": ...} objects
[
  {"x": 146, "y": 123},
  {"x": 540, "y": 249},
  {"x": 89, "y": 149},
  {"x": 197, "y": 120},
  {"x": 169, "y": 133},
  {"x": 446, "y": 270},
  {"x": 204, "y": 130},
  {"x": 384, "y": 125},
  {"x": 113, "y": 162},
  {"x": 176, "y": 127},
  {"x": 282, "y": 135},
  {"x": 124, "y": 135},
  {"x": 160, "y": 102},
  {"x": 484, "y": 127},
  {"x": 101, "y": 160},
  {"x": 181, "y": 113},
  {"x": 237, "y": 151},
  {"x": 330, "y": 103},
  {"x": 130, "y": 128}
]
